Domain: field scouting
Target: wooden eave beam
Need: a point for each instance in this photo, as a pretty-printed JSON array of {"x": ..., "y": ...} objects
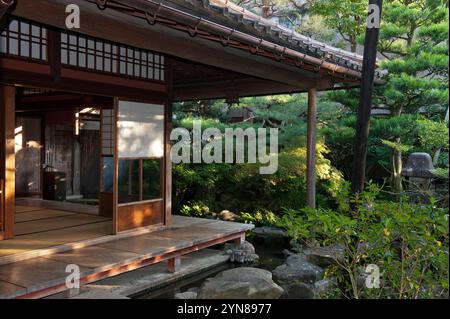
[
  {"x": 38, "y": 75},
  {"x": 244, "y": 88}
]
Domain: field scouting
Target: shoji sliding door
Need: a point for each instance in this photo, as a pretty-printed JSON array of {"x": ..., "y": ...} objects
[{"x": 139, "y": 165}]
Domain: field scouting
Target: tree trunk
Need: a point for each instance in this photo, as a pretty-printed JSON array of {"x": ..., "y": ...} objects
[
  {"x": 396, "y": 163},
  {"x": 353, "y": 46},
  {"x": 396, "y": 178},
  {"x": 365, "y": 104},
  {"x": 438, "y": 151}
]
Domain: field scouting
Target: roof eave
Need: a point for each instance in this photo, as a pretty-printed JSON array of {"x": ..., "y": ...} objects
[{"x": 154, "y": 9}]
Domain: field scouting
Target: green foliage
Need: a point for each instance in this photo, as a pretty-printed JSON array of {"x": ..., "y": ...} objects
[
  {"x": 229, "y": 186},
  {"x": 409, "y": 243},
  {"x": 441, "y": 172},
  {"x": 315, "y": 27},
  {"x": 195, "y": 209},
  {"x": 418, "y": 134},
  {"x": 414, "y": 48},
  {"x": 260, "y": 218},
  {"x": 433, "y": 135},
  {"x": 346, "y": 17},
  {"x": 413, "y": 40},
  {"x": 289, "y": 13},
  {"x": 397, "y": 146}
]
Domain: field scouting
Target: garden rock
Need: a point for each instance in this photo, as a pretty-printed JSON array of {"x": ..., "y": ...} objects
[
  {"x": 241, "y": 283},
  {"x": 243, "y": 253},
  {"x": 301, "y": 290},
  {"x": 228, "y": 216},
  {"x": 270, "y": 236},
  {"x": 267, "y": 231},
  {"x": 287, "y": 252},
  {"x": 324, "y": 286},
  {"x": 296, "y": 246},
  {"x": 325, "y": 256},
  {"x": 186, "y": 295},
  {"x": 297, "y": 269},
  {"x": 298, "y": 290}
]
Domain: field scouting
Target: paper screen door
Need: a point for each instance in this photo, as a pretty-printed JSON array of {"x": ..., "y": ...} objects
[{"x": 139, "y": 164}]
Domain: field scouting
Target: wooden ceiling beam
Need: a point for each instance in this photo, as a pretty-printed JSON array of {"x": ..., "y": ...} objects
[{"x": 55, "y": 101}]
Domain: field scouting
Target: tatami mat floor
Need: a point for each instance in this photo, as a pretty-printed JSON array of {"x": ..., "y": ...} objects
[{"x": 38, "y": 228}]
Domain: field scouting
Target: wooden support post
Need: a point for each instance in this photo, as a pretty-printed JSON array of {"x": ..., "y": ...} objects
[
  {"x": 365, "y": 104},
  {"x": 238, "y": 241},
  {"x": 54, "y": 54},
  {"x": 115, "y": 195},
  {"x": 311, "y": 150},
  {"x": 174, "y": 264},
  {"x": 168, "y": 168},
  {"x": 7, "y": 160},
  {"x": 167, "y": 146}
]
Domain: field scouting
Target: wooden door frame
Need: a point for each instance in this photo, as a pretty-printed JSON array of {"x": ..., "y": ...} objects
[
  {"x": 115, "y": 196},
  {"x": 7, "y": 159}
]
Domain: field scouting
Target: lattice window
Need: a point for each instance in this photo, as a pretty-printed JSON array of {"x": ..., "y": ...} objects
[
  {"x": 107, "y": 132},
  {"x": 84, "y": 52},
  {"x": 104, "y": 56},
  {"x": 25, "y": 39},
  {"x": 33, "y": 91}
]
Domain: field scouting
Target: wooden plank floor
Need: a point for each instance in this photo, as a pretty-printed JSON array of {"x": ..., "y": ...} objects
[{"x": 43, "y": 276}]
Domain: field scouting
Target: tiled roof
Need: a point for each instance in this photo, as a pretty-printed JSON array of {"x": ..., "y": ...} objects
[{"x": 226, "y": 13}]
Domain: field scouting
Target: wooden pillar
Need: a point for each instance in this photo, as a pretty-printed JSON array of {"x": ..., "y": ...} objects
[
  {"x": 238, "y": 241},
  {"x": 311, "y": 150},
  {"x": 7, "y": 160},
  {"x": 54, "y": 54},
  {"x": 167, "y": 145},
  {"x": 115, "y": 194},
  {"x": 168, "y": 168}
]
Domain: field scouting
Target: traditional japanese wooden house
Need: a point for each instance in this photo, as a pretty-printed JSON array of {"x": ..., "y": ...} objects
[{"x": 86, "y": 113}]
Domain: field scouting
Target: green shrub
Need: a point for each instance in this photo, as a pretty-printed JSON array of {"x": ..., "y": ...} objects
[
  {"x": 195, "y": 209},
  {"x": 409, "y": 243},
  {"x": 240, "y": 187},
  {"x": 260, "y": 218}
]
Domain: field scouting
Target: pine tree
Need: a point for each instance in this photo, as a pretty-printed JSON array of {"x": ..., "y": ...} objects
[
  {"x": 347, "y": 17},
  {"x": 413, "y": 49},
  {"x": 414, "y": 42}
]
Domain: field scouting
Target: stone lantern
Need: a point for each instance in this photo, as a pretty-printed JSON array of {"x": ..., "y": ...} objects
[{"x": 419, "y": 171}]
